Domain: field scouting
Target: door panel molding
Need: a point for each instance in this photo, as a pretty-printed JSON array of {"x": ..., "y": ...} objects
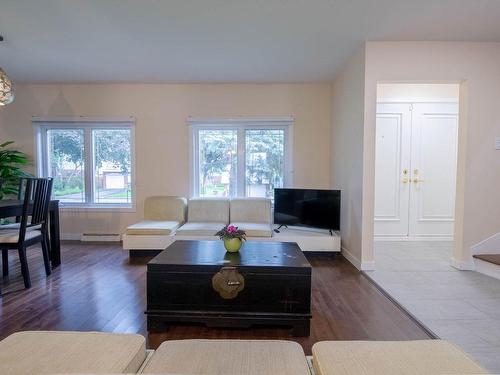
[
  {"x": 391, "y": 159},
  {"x": 434, "y": 155},
  {"x": 392, "y": 212}
]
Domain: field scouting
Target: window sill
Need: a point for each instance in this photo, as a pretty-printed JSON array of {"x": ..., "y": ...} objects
[{"x": 97, "y": 208}]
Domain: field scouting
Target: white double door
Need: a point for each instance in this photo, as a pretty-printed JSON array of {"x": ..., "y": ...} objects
[{"x": 416, "y": 167}]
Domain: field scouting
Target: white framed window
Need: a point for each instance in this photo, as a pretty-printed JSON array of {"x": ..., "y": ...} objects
[
  {"x": 240, "y": 157},
  {"x": 91, "y": 160}
]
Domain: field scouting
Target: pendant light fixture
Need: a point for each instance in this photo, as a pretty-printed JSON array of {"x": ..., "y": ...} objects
[{"x": 6, "y": 90}]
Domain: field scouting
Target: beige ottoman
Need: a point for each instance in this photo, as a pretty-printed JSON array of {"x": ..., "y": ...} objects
[
  {"x": 224, "y": 357},
  {"x": 44, "y": 352},
  {"x": 391, "y": 357}
]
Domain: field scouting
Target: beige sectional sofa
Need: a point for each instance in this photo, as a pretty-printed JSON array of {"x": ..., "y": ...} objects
[
  {"x": 167, "y": 218},
  {"x": 44, "y": 352}
]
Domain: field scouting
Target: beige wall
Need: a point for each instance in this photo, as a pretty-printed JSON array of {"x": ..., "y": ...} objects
[
  {"x": 161, "y": 110},
  {"x": 347, "y": 152},
  {"x": 477, "y": 67}
]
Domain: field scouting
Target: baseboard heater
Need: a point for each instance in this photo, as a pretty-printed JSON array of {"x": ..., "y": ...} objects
[{"x": 97, "y": 237}]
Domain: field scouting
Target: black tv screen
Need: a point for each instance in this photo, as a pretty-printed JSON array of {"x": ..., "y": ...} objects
[{"x": 307, "y": 207}]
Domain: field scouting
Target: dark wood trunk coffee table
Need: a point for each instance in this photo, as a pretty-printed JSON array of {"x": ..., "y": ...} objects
[{"x": 266, "y": 283}]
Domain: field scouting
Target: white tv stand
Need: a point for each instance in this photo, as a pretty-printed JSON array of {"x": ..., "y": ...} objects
[{"x": 308, "y": 239}]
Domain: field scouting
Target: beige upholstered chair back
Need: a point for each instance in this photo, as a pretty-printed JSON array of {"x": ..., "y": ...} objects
[
  {"x": 250, "y": 210},
  {"x": 165, "y": 208},
  {"x": 208, "y": 210}
]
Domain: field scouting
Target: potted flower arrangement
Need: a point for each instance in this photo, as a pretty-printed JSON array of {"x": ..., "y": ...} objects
[{"x": 233, "y": 238}]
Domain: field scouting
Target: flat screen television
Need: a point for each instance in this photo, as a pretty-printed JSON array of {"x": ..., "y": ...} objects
[{"x": 307, "y": 207}]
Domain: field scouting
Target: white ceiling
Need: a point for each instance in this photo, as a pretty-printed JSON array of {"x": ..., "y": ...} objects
[{"x": 219, "y": 40}]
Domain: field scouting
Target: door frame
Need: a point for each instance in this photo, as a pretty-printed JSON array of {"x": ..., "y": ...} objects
[{"x": 368, "y": 257}]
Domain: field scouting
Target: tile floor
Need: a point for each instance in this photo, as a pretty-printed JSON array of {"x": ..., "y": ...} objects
[{"x": 460, "y": 306}]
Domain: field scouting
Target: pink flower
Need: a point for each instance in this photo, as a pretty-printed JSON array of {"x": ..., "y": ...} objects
[{"x": 232, "y": 229}]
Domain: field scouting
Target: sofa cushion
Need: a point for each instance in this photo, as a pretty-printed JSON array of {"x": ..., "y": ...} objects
[
  {"x": 165, "y": 208},
  {"x": 228, "y": 357},
  {"x": 206, "y": 210},
  {"x": 152, "y": 227},
  {"x": 43, "y": 352},
  {"x": 391, "y": 357},
  {"x": 199, "y": 229},
  {"x": 250, "y": 210},
  {"x": 255, "y": 229}
]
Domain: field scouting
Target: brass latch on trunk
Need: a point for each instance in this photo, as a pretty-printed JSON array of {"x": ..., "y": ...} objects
[{"x": 228, "y": 282}]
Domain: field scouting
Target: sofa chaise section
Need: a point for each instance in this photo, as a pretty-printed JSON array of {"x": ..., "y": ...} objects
[
  {"x": 205, "y": 217},
  {"x": 59, "y": 352},
  {"x": 391, "y": 358},
  {"x": 162, "y": 216},
  {"x": 253, "y": 215},
  {"x": 225, "y": 357}
]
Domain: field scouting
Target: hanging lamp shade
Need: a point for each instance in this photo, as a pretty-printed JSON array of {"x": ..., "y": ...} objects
[{"x": 6, "y": 90}]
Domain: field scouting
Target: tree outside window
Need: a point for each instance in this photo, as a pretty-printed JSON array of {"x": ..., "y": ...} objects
[{"x": 220, "y": 152}]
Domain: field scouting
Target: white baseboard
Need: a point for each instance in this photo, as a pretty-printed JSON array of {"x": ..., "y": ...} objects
[
  {"x": 71, "y": 236},
  {"x": 362, "y": 266},
  {"x": 368, "y": 266},
  {"x": 86, "y": 237},
  {"x": 463, "y": 265},
  {"x": 351, "y": 258},
  {"x": 412, "y": 238},
  {"x": 487, "y": 268}
]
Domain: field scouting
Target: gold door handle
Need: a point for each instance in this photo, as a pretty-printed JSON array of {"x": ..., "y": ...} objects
[
  {"x": 416, "y": 180},
  {"x": 405, "y": 179}
]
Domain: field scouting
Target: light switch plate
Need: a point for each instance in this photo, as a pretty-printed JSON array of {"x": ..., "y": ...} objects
[{"x": 497, "y": 143}]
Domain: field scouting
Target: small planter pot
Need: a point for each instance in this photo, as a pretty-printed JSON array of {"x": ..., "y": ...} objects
[{"x": 232, "y": 245}]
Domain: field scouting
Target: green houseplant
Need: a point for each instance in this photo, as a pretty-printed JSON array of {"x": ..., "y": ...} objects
[
  {"x": 233, "y": 237},
  {"x": 11, "y": 162}
]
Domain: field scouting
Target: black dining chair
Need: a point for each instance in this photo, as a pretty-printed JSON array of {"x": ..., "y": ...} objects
[
  {"x": 31, "y": 229},
  {"x": 21, "y": 189}
]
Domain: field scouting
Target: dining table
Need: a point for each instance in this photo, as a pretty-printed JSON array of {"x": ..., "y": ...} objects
[{"x": 14, "y": 208}]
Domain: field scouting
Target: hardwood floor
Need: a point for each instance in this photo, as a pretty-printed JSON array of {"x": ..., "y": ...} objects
[{"x": 97, "y": 288}]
